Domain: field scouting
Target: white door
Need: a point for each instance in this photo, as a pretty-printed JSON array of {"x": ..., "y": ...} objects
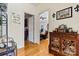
[{"x": 31, "y": 28}]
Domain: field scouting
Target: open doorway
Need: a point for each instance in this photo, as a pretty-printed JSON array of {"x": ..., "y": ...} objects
[
  {"x": 44, "y": 26},
  {"x": 28, "y": 28}
]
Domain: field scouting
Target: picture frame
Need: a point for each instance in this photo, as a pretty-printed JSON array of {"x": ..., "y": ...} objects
[{"x": 64, "y": 13}]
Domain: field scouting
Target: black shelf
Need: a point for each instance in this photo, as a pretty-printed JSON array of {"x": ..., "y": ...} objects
[{"x": 7, "y": 50}]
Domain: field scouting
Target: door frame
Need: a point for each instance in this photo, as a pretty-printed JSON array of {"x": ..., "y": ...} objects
[
  {"x": 48, "y": 10},
  {"x": 28, "y": 25}
]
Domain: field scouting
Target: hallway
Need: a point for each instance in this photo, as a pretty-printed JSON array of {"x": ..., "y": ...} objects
[{"x": 31, "y": 49}]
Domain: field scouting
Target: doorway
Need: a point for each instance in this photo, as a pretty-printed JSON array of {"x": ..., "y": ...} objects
[
  {"x": 28, "y": 28},
  {"x": 44, "y": 25}
]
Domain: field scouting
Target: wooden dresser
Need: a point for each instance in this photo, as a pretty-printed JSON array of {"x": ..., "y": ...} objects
[{"x": 64, "y": 44}]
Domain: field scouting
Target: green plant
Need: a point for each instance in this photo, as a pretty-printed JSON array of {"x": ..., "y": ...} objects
[{"x": 0, "y": 21}]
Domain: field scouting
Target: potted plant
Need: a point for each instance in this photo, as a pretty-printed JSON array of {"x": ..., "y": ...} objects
[{"x": 0, "y": 21}]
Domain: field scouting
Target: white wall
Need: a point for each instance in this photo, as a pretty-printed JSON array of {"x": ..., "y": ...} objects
[
  {"x": 53, "y": 23},
  {"x": 17, "y": 30},
  {"x": 70, "y": 22}
]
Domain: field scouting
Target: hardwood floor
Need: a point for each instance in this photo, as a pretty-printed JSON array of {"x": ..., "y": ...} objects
[{"x": 31, "y": 49}]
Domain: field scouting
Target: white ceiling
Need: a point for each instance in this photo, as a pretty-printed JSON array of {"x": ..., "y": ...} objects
[{"x": 35, "y": 4}]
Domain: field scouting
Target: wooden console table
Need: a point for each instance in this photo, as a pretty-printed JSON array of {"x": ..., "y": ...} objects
[{"x": 65, "y": 44}]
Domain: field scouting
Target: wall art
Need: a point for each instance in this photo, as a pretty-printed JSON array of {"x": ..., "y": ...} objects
[
  {"x": 76, "y": 8},
  {"x": 53, "y": 15},
  {"x": 65, "y": 13},
  {"x": 15, "y": 18}
]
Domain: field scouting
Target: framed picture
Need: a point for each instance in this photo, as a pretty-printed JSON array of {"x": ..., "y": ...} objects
[{"x": 65, "y": 13}]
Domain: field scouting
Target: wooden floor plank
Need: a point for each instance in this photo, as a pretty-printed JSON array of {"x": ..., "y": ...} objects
[{"x": 31, "y": 49}]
